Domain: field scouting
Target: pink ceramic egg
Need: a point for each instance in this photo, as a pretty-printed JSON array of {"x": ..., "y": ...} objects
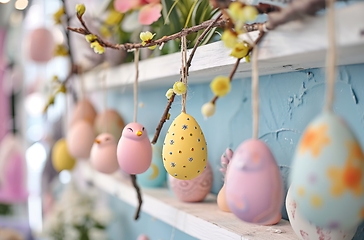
[
  {"x": 134, "y": 151},
  {"x": 109, "y": 121},
  {"x": 254, "y": 188},
  {"x": 194, "y": 190},
  {"x": 80, "y": 139},
  {"x": 83, "y": 110},
  {"x": 103, "y": 154},
  {"x": 40, "y": 45}
]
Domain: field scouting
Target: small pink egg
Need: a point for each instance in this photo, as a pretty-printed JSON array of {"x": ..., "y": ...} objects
[
  {"x": 40, "y": 45},
  {"x": 109, "y": 121},
  {"x": 83, "y": 110},
  {"x": 80, "y": 139},
  {"x": 194, "y": 190},
  {"x": 103, "y": 154}
]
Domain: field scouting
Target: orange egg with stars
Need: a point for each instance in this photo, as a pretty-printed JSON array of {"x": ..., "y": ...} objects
[{"x": 328, "y": 174}]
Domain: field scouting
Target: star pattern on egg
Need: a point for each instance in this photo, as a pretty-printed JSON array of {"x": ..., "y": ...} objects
[
  {"x": 348, "y": 178},
  {"x": 314, "y": 140}
]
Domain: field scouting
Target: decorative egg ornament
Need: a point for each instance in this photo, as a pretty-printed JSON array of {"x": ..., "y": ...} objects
[
  {"x": 306, "y": 230},
  {"x": 61, "y": 158},
  {"x": 184, "y": 148},
  {"x": 103, "y": 154},
  {"x": 194, "y": 190},
  {"x": 134, "y": 150},
  {"x": 80, "y": 139},
  {"x": 254, "y": 188},
  {"x": 84, "y": 110},
  {"x": 109, "y": 121},
  {"x": 327, "y": 176}
]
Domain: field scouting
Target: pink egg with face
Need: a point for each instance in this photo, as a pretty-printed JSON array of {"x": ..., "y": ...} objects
[
  {"x": 80, "y": 139},
  {"x": 254, "y": 188},
  {"x": 194, "y": 190},
  {"x": 40, "y": 45},
  {"x": 103, "y": 154},
  {"x": 134, "y": 151}
]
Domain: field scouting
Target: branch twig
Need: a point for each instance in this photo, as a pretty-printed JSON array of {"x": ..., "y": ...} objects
[{"x": 140, "y": 200}]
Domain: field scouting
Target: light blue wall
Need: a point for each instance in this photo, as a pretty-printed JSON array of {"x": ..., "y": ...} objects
[{"x": 288, "y": 102}]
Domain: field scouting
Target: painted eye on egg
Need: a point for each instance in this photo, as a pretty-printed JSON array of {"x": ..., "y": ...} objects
[
  {"x": 143, "y": 128},
  {"x": 131, "y": 130}
]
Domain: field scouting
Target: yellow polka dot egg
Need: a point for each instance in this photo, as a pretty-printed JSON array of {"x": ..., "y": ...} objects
[
  {"x": 184, "y": 148},
  {"x": 328, "y": 174}
]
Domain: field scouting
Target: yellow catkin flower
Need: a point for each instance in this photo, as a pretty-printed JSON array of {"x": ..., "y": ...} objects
[
  {"x": 240, "y": 50},
  {"x": 208, "y": 109},
  {"x": 229, "y": 38},
  {"x": 179, "y": 88},
  {"x": 97, "y": 47},
  {"x": 146, "y": 38},
  {"x": 90, "y": 38},
  {"x": 250, "y": 13},
  {"x": 57, "y": 16},
  {"x": 169, "y": 93},
  {"x": 80, "y": 9},
  {"x": 220, "y": 86}
]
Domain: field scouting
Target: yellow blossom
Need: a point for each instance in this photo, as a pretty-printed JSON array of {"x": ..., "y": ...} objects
[
  {"x": 220, "y": 86},
  {"x": 90, "y": 38},
  {"x": 80, "y": 9},
  {"x": 229, "y": 38},
  {"x": 57, "y": 16},
  {"x": 247, "y": 58},
  {"x": 208, "y": 109},
  {"x": 113, "y": 17},
  {"x": 146, "y": 38},
  {"x": 169, "y": 93},
  {"x": 97, "y": 47},
  {"x": 179, "y": 88},
  {"x": 240, "y": 50},
  {"x": 236, "y": 10},
  {"x": 250, "y": 13},
  {"x": 60, "y": 50}
]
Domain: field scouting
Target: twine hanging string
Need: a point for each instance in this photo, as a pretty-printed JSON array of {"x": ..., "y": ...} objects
[
  {"x": 255, "y": 92},
  {"x": 104, "y": 94},
  {"x": 331, "y": 55},
  {"x": 184, "y": 69},
  {"x": 136, "y": 61}
]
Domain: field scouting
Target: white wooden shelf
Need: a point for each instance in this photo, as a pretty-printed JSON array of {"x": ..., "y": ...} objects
[
  {"x": 201, "y": 220},
  {"x": 294, "y": 46}
]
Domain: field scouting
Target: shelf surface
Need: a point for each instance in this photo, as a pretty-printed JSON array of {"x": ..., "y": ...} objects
[
  {"x": 294, "y": 46},
  {"x": 201, "y": 220}
]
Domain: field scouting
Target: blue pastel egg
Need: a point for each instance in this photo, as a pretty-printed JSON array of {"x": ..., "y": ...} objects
[{"x": 328, "y": 174}]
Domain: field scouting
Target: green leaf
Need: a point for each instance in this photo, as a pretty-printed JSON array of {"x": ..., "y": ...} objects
[
  {"x": 166, "y": 18},
  {"x": 190, "y": 13}
]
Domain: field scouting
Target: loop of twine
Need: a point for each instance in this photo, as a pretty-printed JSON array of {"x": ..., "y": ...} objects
[
  {"x": 331, "y": 55},
  {"x": 255, "y": 92},
  {"x": 184, "y": 69},
  {"x": 136, "y": 61}
]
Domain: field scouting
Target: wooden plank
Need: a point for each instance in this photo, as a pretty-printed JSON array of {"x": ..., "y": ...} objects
[
  {"x": 201, "y": 220},
  {"x": 294, "y": 46}
]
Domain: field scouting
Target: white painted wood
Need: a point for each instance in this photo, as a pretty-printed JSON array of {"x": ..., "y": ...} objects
[
  {"x": 294, "y": 46},
  {"x": 201, "y": 220}
]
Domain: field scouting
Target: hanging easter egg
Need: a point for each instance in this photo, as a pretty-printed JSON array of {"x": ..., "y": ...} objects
[
  {"x": 156, "y": 175},
  {"x": 194, "y": 190},
  {"x": 61, "y": 158},
  {"x": 327, "y": 176},
  {"x": 306, "y": 230},
  {"x": 80, "y": 139},
  {"x": 184, "y": 148},
  {"x": 254, "y": 188},
  {"x": 103, "y": 154},
  {"x": 109, "y": 121},
  {"x": 83, "y": 110},
  {"x": 134, "y": 150},
  {"x": 221, "y": 196},
  {"x": 40, "y": 45}
]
